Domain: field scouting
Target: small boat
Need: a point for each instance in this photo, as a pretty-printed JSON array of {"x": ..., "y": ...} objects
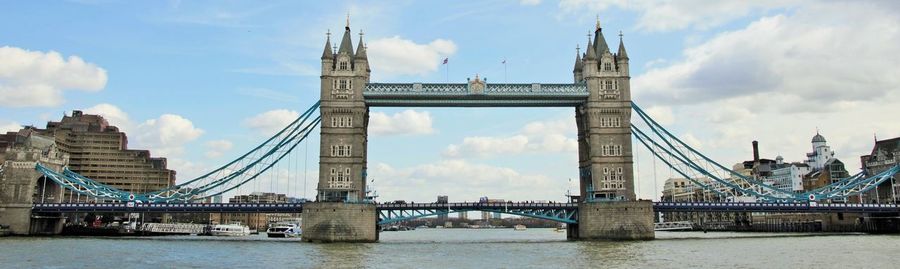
[
  {"x": 284, "y": 230},
  {"x": 561, "y": 228},
  {"x": 519, "y": 227},
  {"x": 229, "y": 230}
]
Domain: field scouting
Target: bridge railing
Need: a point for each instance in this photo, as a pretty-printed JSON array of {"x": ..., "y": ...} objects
[{"x": 474, "y": 205}]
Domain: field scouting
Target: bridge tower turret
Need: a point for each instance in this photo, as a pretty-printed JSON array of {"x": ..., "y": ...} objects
[
  {"x": 340, "y": 213},
  {"x": 605, "y": 162},
  {"x": 608, "y": 208},
  {"x": 579, "y": 65},
  {"x": 342, "y": 169}
]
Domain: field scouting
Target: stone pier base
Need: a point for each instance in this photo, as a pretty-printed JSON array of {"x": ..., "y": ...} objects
[
  {"x": 17, "y": 217},
  {"x": 339, "y": 222},
  {"x": 625, "y": 220}
]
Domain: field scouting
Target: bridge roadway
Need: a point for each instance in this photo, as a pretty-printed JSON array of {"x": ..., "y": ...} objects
[{"x": 456, "y": 207}]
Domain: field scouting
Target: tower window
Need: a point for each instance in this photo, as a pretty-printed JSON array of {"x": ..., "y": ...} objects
[
  {"x": 607, "y": 66},
  {"x": 344, "y": 65},
  {"x": 341, "y": 150}
]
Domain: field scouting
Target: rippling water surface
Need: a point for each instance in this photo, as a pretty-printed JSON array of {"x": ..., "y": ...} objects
[{"x": 459, "y": 248}]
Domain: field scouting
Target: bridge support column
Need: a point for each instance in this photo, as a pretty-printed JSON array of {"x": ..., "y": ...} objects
[
  {"x": 620, "y": 220},
  {"x": 326, "y": 222}
]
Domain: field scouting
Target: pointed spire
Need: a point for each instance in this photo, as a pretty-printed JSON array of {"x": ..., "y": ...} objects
[
  {"x": 598, "y": 23},
  {"x": 346, "y": 43},
  {"x": 361, "y": 48},
  {"x": 578, "y": 63},
  {"x": 348, "y": 19},
  {"x": 327, "y": 54},
  {"x": 600, "y": 42},
  {"x": 591, "y": 54},
  {"x": 621, "y": 54}
]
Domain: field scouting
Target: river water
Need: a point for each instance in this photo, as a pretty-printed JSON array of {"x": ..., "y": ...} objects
[{"x": 459, "y": 248}]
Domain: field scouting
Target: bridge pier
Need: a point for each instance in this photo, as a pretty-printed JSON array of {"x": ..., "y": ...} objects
[
  {"x": 619, "y": 220},
  {"x": 327, "y": 222}
]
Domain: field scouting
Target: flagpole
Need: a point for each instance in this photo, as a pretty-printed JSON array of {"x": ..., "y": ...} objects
[{"x": 505, "y": 78}]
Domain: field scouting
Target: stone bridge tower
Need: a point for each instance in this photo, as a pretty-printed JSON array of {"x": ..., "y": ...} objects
[
  {"x": 341, "y": 213},
  {"x": 342, "y": 167},
  {"x": 604, "y": 122},
  {"x": 608, "y": 208}
]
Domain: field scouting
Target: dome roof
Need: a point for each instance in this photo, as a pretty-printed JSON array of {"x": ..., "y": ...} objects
[{"x": 818, "y": 138}]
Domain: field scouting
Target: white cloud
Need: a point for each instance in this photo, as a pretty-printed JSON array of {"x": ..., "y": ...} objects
[
  {"x": 112, "y": 114},
  {"x": 807, "y": 61},
  {"x": 538, "y": 136},
  {"x": 529, "y": 2},
  {"x": 661, "y": 114},
  {"x": 825, "y": 65},
  {"x": 662, "y": 15},
  {"x": 461, "y": 180},
  {"x": 6, "y": 126},
  {"x": 35, "y": 78},
  {"x": 270, "y": 122},
  {"x": 407, "y": 122},
  {"x": 166, "y": 135},
  {"x": 216, "y": 148},
  {"x": 398, "y": 56}
]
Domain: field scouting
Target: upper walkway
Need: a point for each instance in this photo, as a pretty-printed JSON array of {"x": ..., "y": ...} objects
[{"x": 475, "y": 95}]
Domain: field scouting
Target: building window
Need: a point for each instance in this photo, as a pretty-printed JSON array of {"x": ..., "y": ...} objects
[
  {"x": 344, "y": 65},
  {"x": 341, "y": 121},
  {"x": 341, "y": 150},
  {"x": 607, "y": 66}
]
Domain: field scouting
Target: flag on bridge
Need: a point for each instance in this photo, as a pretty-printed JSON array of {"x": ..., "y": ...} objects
[{"x": 445, "y": 60}]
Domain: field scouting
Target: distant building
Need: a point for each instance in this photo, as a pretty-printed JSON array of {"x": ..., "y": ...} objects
[
  {"x": 442, "y": 199},
  {"x": 821, "y": 153},
  {"x": 677, "y": 190},
  {"x": 885, "y": 154},
  {"x": 824, "y": 168},
  {"x": 788, "y": 176},
  {"x": 463, "y": 215},
  {"x": 259, "y": 197},
  {"x": 257, "y": 221},
  {"x": 99, "y": 151}
]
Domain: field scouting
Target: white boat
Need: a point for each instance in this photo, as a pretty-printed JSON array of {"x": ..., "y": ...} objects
[
  {"x": 284, "y": 230},
  {"x": 229, "y": 230},
  {"x": 519, "y": 227}
]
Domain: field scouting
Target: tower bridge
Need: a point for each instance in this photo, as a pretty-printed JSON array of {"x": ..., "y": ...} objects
[{"x": 600, "y": 96}]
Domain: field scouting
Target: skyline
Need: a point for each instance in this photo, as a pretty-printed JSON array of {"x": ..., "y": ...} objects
[{"x": 737, "y": 84}]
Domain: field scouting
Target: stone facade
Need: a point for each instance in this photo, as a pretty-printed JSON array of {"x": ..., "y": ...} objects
[
  {"x": 604, "y": 122},
  {"x": 622, "y": 220},
  {"x": 21, "y": 185},
  {"x": 339, "y": 222},
  {"x": 345, "y": 116},
  {"x": 885, "y": 154}
]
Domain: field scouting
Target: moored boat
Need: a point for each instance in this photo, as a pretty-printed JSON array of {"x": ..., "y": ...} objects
[
  {"x": 519, "y": 227},
  {"x": 284, "y": 230},
  {"x": 229, "y": 230}
]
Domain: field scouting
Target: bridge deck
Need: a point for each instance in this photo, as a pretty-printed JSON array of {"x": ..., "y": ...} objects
[{"x": 298, "y": 207}]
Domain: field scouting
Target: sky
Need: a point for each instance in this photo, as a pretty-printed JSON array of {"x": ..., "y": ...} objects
[{"x": 200, "y": 82}]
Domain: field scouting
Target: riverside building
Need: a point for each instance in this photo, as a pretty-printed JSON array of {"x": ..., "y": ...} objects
[{"x": 99, "y": 151}]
